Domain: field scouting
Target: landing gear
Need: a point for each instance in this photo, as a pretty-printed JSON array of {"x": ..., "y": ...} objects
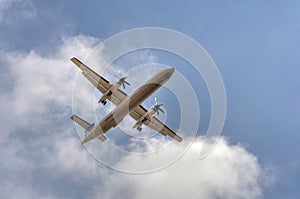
[
  {"x": 109, "y": 93},
  {"x": 139, "y": 128},
  {"x": 104, "y": 102}
]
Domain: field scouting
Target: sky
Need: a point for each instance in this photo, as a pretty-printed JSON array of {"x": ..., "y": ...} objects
[{"x": 255, "y": 47}]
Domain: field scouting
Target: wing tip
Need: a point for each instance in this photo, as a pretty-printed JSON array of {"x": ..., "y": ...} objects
[
  {"x": 178, "y": 138},
  {"x": 72, "y": 117},
  {"x": 73, "y": 59},
  {"x": 76, "y": 61}
]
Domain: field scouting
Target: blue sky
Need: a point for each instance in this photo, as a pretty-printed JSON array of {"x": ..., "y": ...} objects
[{"x": 254, "y": 44}]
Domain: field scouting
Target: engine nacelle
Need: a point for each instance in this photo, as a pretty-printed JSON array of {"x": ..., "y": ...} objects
[
  {"x": 144, "y": 118},
  {"x": 109, "y": 92}
]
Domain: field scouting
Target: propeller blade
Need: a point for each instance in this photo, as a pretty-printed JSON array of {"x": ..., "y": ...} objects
[
  {"x": 161, "y": 110},
  {"x": 127, "y": 83},
  {"x": 123, "y": 84}
]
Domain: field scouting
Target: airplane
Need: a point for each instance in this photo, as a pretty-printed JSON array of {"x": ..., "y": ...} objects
[{"x": 125, "y": 104}]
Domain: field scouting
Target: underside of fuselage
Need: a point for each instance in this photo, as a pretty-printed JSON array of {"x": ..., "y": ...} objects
[{"x": 129, "y": 104}]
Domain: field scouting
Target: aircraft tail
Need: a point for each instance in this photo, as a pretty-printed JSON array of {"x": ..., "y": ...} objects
[{"x": 87, "y": 126}]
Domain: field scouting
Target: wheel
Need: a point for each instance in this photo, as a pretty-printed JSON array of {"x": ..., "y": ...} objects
[
  {"x": 104, "y": 102},
  {"x": 109, "y": 93}
]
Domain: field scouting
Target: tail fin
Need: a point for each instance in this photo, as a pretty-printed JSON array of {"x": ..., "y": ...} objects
[{"x": 87, "y": 126}]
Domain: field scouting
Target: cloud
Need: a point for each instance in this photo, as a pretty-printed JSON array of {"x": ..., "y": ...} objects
[
  {"x": 228, "y": 172},
  {"x": 12, "y": 12},
  {"x": 35, "y": 85},
  {"x": 41, "y": 156},
  {"x": 36, "y": 96}
]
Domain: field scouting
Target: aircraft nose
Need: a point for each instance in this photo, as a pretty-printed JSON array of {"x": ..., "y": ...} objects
[{"x": 172, "y": 70}]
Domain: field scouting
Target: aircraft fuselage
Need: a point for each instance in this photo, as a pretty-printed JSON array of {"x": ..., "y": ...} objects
[{"x": 129, "y": 103}]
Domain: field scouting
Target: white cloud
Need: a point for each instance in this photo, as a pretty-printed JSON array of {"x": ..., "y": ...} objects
[
  {"x": 37, "y": 153},
  {"x": 73, "y": 158},
  {"x": 40, "y": 82},
  {"x": 228, "y": 172}
]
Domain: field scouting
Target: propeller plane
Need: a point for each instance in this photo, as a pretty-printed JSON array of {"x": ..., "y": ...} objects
[{"x": 125, "y": 104}]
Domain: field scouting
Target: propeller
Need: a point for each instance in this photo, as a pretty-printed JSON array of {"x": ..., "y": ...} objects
[
  {"x": 122, "y": 80},
  {"x": 156, "y": 107}
]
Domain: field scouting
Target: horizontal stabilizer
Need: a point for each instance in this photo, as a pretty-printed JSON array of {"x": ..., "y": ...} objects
[
  {"x": 87, "y": 126},
  {"x": 81, "y": 122}
]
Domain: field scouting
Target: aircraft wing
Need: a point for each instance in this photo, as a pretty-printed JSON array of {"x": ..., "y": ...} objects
[
  {"x": 117, "y": 96},
  {"x": 154, "y": 123},
  {"x": 100, "y": 82}
]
